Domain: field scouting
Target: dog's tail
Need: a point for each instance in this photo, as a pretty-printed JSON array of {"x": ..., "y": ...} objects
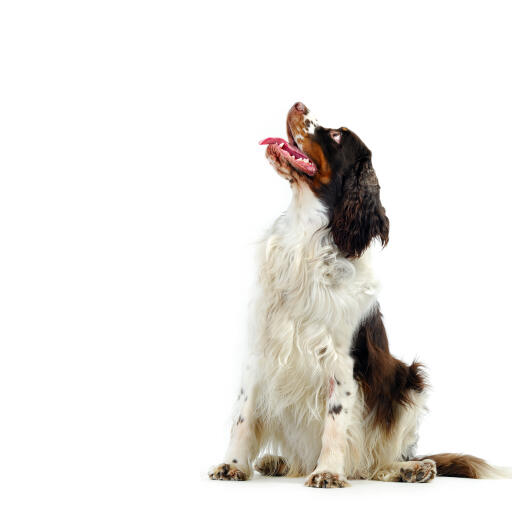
[{"x": 465, "y": 466}]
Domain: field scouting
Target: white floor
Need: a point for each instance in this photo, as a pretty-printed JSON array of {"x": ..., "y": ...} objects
[{"x": 283, "y": 494}]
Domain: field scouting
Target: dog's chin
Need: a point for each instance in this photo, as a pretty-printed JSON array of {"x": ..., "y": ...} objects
[
  {"x": 284, "y": 167},
  {"x": 281, "y": 167}
]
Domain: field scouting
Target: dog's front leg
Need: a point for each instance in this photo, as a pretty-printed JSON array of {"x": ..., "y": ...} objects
[
  {"x": 330, "y": 469},
  {"x": 244, "y": 442}
]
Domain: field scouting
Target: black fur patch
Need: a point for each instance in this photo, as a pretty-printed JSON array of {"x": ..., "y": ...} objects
[{"x": 335, "y": 409}]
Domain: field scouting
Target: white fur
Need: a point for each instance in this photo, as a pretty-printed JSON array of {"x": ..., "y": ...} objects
[{"x": 313, "y": 123}]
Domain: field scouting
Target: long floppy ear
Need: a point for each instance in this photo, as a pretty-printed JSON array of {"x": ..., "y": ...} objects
[{"x": 359, "y": 216}]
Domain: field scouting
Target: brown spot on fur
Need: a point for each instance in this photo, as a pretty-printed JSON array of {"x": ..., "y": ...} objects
[{"x": 335, "y": 409}]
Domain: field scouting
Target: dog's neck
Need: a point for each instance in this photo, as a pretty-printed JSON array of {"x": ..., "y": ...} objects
[{"x": 306, "y": 210}]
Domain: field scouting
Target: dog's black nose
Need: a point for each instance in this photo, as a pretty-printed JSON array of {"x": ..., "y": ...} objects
[{"x": 300, "y": 106}]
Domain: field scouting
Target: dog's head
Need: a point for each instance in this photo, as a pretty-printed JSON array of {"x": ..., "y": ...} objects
[{"x": 337, "y": 166}]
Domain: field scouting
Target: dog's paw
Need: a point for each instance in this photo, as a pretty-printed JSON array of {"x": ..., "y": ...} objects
[
  {"x": 326, "y": 480},
  {"x": 272, "y": 465},
  {"x": 421, "y": 472},
  {"x": 227, "y": 472}
]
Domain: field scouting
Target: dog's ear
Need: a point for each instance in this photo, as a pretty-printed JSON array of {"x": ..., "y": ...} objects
[{"x": 358, "y": 215}]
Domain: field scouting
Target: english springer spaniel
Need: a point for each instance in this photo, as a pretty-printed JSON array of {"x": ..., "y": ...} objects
[{"x": 322, "y": 395}]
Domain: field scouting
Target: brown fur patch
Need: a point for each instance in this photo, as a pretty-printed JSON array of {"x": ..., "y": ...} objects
[
  {"x": 385, "y": 381},
  {"x": 315, "y": 153}
]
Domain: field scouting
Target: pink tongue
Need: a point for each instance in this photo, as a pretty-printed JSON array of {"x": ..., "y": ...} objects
[
  {"x": 271, "y": 140},
  {"x": 291, "y": 149}
]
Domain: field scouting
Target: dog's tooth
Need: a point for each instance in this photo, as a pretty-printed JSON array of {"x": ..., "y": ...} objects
[{"x": 281, "y": 145}]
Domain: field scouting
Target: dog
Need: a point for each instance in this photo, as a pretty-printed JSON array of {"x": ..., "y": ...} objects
[{"x": 322, "y": 395}]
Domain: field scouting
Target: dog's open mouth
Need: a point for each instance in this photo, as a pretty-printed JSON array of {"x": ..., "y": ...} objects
[{"x": 297, "y": 159}]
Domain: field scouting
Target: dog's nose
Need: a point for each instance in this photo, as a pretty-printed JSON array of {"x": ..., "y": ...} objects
[{"x": 300, "y": 106}]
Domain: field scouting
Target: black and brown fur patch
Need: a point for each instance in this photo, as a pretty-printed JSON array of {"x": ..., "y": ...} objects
[
  {"x": 345, "y": 182},
  {"x": 459, "y": 465},
  {"x": 385, "y": 381},
  {"x": 272, "y": 465},
  {"x": 358, "y": 217},
  {"x": 324, "y": 172}
]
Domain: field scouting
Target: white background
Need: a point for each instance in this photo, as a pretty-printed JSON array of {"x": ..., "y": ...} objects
[{"x": 132, "y": 190}]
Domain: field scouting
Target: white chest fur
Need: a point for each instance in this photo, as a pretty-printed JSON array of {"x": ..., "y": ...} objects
[{"x": 309, "y": 301}]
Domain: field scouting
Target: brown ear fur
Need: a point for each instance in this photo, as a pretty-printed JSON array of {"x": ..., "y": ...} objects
[{"x": 359, "y": 217}]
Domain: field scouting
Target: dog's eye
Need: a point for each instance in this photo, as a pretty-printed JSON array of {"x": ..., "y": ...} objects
[{"x": 336, "y": 136}]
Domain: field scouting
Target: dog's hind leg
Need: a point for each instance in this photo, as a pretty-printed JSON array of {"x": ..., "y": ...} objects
[{"x": 272, "y": 465}]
